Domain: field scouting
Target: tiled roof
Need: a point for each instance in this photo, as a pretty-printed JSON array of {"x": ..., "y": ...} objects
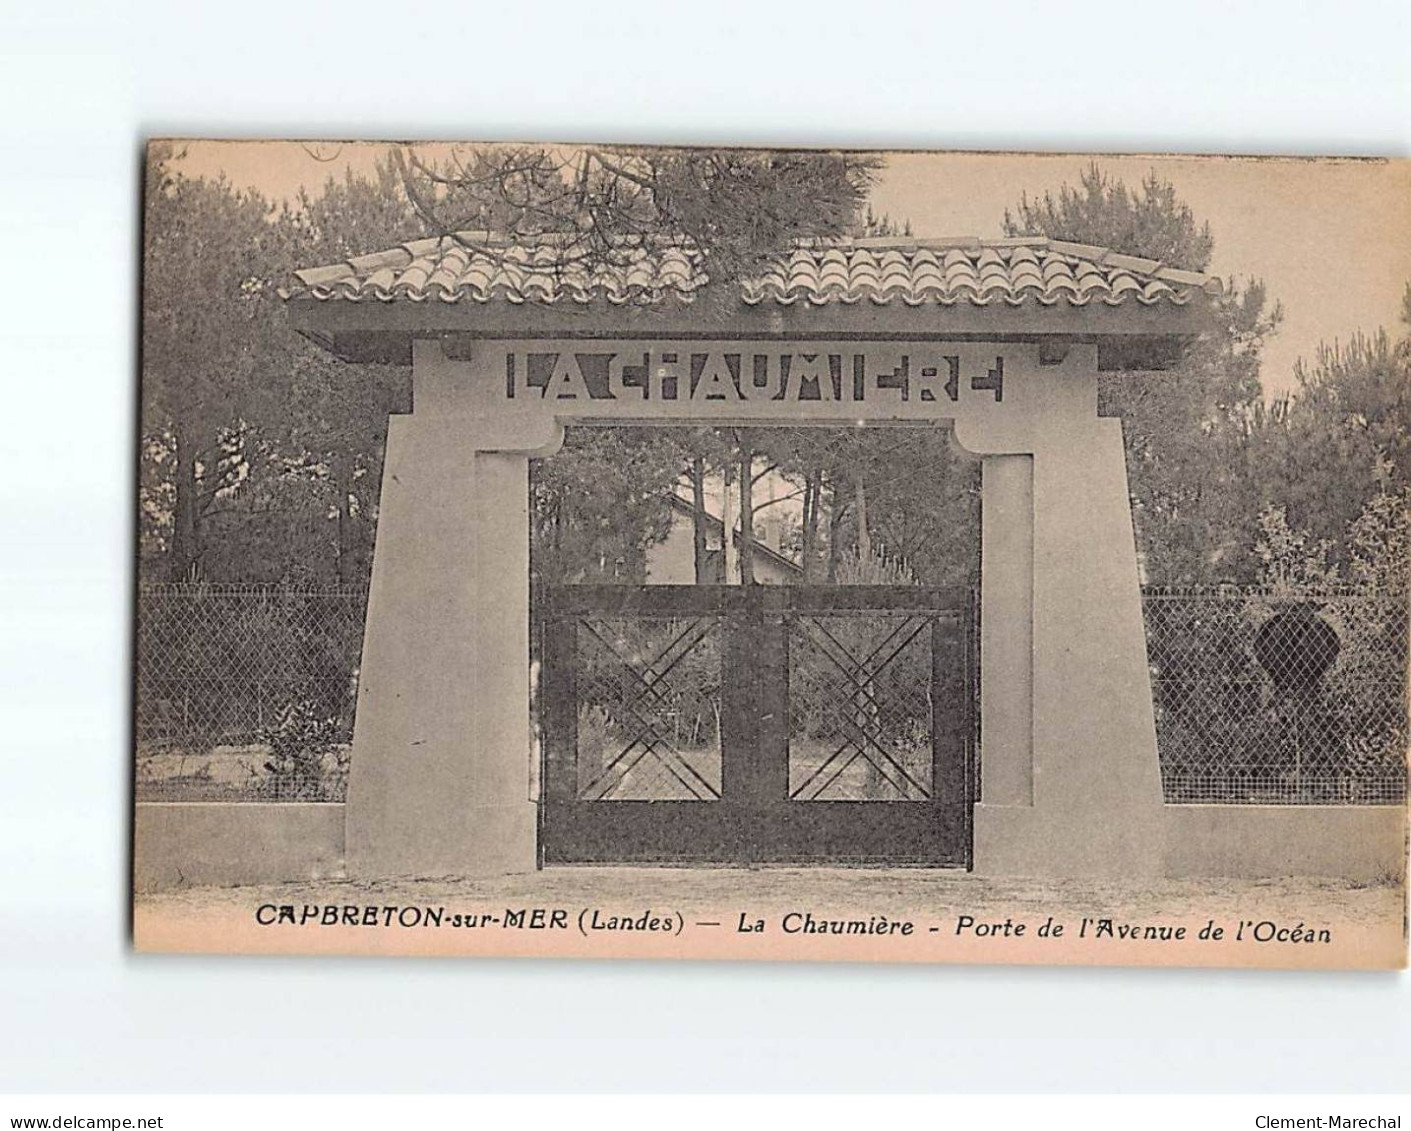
[{"x": 475, "y": 268}]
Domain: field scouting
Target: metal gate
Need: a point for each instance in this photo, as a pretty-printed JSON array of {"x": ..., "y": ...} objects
[{"x": 751, "y": 724}]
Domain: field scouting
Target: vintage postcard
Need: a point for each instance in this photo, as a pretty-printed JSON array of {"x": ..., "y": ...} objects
[{"x": 596, "y": 551}]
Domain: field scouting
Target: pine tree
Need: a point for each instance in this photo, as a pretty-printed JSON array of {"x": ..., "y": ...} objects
[{"x": 1186, "y": 430}]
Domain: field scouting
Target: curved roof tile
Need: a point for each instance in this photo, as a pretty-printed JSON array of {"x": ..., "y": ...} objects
[{"x": 483, "y": 268}]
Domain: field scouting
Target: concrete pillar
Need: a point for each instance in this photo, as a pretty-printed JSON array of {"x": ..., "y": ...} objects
[
  {"x": 440, "y": 781},
  {"x": 1007, "y": 630},
  {"x": 1096, "y": 787}
]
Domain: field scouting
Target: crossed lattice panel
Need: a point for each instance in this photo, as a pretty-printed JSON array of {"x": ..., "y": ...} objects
[
  {"x": 860, "y": 708},
  {"x": 649, "y": 699}
]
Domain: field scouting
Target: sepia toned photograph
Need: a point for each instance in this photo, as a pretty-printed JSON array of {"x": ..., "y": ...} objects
[{"x": 572, "y": 551}]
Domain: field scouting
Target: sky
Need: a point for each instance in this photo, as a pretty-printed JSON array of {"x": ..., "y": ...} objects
[{"x": 1330, "y": 238}]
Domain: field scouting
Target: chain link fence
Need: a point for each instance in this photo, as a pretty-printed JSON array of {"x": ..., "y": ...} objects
[
  {"x": 1279, "y": 698},
  {"x": 246, "y": 693}
]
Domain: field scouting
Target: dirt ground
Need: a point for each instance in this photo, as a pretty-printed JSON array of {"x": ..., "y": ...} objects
[
  {"x": 713, "y": 905},
  {"x": 892, "y": 891}
]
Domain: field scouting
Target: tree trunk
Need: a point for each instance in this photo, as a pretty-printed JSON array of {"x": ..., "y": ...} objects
[
  {"x": 727, "y": 534},
  {"x": 746, "y": 516},
  {"x": 835, "y": 523},
  {"x": 698, "y": 520},
  {"x": 864, "y": 536},
  {"x": 343, "y": 484},
  {"x": 553, "y": 530},
  {"x": 809, "y": 550},
  {"x": 185, "y": 552}
]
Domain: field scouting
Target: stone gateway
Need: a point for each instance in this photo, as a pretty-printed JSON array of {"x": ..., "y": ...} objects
[{"x": 1001, "y": 341}]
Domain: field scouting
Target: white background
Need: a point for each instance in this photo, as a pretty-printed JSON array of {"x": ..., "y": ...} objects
[{"x": 84, "y": 83}]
